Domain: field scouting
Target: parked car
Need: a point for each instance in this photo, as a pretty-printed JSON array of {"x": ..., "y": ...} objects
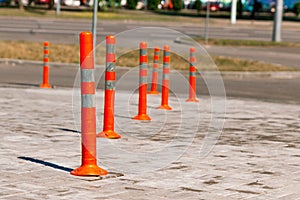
[
  {"x": 166, "y": 4},
  {"x": 41, "y": 1},
  {"x": 191, "y": 4},
  {"x": 213, "y": 6},
  {"x": 266, "y": 5},
  {"x": 71, "y": 2}
]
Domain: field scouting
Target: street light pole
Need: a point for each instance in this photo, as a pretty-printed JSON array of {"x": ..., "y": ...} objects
[
  {"x": 233, "y": 11},
  {"x": 277, "y": 21},
  {"x": 94, "y": 28},
  {"x": 206, "y": 21},
  {"x": 58, "y": 7}
]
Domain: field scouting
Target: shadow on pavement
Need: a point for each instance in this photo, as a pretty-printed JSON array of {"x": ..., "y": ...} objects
[
  {"x": 21, "y": 84},
  {"x": 48, "y": 164},
  {"x": 68, "y": 130}
]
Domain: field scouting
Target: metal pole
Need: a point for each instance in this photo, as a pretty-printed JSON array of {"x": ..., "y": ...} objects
[
  {"x": 206, "y": 21},
  {"x": 94, "y": 28},
  {"x": 233, "y": 11},
  {"x": 277, "y": 21},
  {"x": 58, "y": 7}
]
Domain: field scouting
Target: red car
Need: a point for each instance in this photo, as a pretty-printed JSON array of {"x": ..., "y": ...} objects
[
  {"x": 213, "y": 6},
  {"x": 42, "y": 1}
]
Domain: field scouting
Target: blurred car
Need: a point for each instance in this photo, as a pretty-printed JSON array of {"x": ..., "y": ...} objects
[
  {"x": 264, "y": 5},
  {"x": 165, "y": 4},
  {"x": 123, "y": 3},
  {"x": 71, "y": 2},
  {"x": 24, "y": 2},
  {"x": 213, "y": 6},
  {"x": 186, "y": 3},
  {"x": 140, "y": 5},
  {"x": 191, "y": 4},
  {"x": 41, "y": 1}
]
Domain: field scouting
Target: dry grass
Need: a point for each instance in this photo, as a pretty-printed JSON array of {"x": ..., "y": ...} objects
[
  {"x": 34, "y": 51},
  {"x": 108, "y": 15},
  {"x": 235, "y": 64},
  {"x": 131, "y": 59},
  {"x": 70, "y": 54},
  {"x": 222, "y": 63},
  {"x": 229, "y": 42}
]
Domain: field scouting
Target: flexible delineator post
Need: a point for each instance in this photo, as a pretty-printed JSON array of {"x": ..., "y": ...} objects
[
  {"x": 109, "y": 96},
  {"x": 89, "y": 165},
  {"x": 192, "y": 88},
  {"x": 45, "y": 83},
  {"x": 142, "y": 113},
  {"x": 155, "y": 72},
  {"x": 165, "y": 80}
]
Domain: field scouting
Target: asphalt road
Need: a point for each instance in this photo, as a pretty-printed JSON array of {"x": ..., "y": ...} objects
[
  {"x": 261, "y": 86},
  {"x": 49, "y": 29},
  {"x": 67, "y": 30}
]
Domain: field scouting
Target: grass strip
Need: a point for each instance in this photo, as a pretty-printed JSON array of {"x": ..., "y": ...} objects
[
  {"x": 229, "y": 42},
  {"x": 117, "y": 14},
  {"x": 63, "y": 53}
]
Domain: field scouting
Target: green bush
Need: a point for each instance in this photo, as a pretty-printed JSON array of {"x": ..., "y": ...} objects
[
  {"x": 297, "y": 8},
  {"x": 131, "y": 4},
  {"x": 177, "y": 5},
  {"x": 152, "y": 4},
  {"x": 198, "y": 5},
  {"x": 112, "y": 3}
]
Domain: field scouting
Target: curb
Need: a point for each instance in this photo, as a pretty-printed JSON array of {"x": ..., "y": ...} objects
[{"x": 228, "y": 74}]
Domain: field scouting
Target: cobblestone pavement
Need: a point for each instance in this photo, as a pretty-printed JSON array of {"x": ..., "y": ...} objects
[{"x": 256, "y": 157}]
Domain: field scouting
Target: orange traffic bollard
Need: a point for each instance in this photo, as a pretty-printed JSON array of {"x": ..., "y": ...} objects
[
  {"x": 89, "y": 165},
  {"x": 165, "y": 80},
  {"x": 45, "y": 83},
  {"x": 142, "y": 113},
  {"x": 155, "y": 72},
  {"x": 110, "y": 78},
  {"x": 192, "y": 88}
]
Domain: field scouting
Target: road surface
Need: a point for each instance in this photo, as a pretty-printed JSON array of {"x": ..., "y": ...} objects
[
  {"x": 36, "y": 29},
  {"x": 67, "y": 30}
]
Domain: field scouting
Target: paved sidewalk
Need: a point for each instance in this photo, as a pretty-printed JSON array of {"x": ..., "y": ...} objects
[{"x": 256, "y": 157}]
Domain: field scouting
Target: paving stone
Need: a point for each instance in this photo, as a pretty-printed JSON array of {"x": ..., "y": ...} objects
[{"x": 256, "y": 156}]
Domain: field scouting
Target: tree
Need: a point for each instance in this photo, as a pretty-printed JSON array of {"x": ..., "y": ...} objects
[
  {"x": 198, "y": 5},
  {"x": 256, "y": 7},
  {"x": 21, "y": 6},
  {"x": 131, "y": 4},
  {"x": 240, "y": 8},
  {"x": 177, "y": 5},
  {"x": 152, "y": 4},
  {"x": 297, "y": 8}
]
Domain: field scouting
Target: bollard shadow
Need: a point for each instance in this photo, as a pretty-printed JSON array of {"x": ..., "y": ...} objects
[
  {"x": 122, "y": 116},
  {"x": 22, "y": 84},
  {"x": 45, "y": 163},
  {"x": 68, "y": 130}
]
